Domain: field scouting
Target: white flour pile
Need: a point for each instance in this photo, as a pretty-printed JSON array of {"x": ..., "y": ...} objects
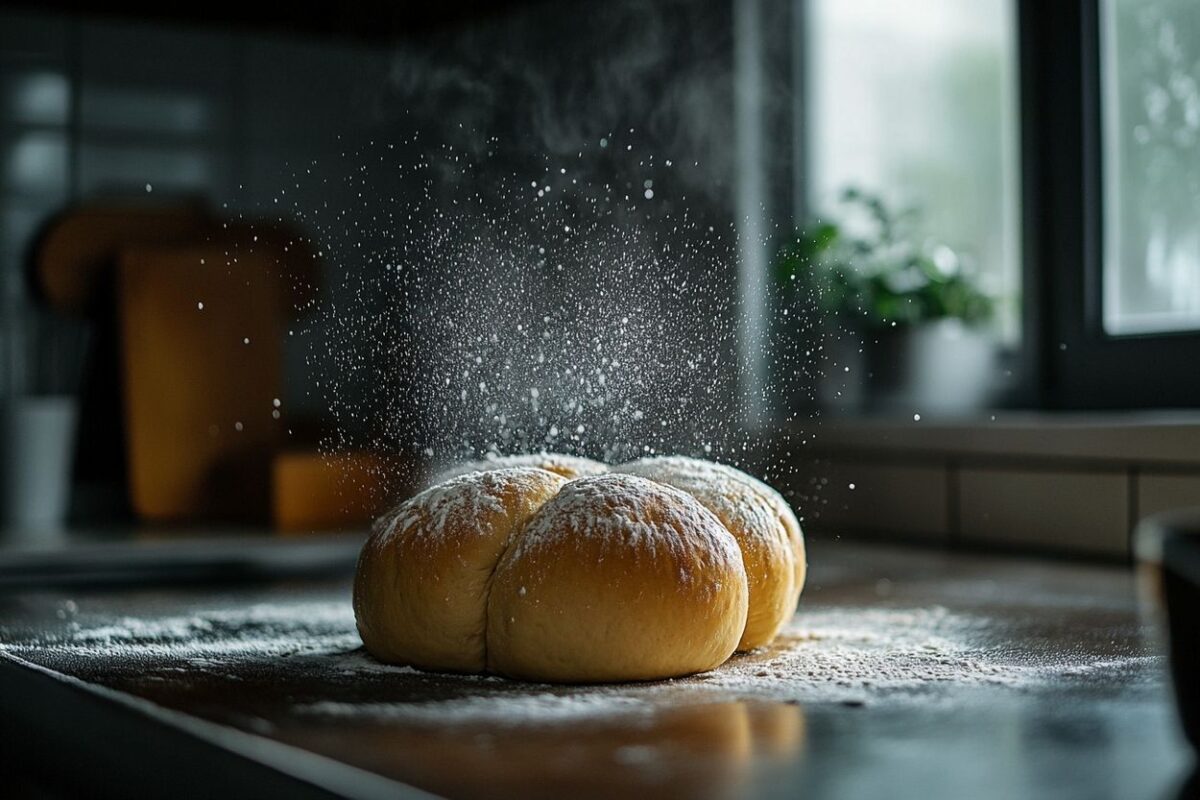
[
  {"x": 833, "y": 655},
  {"x": 827, "y": 655},
  {"x": 212, "y": 638},
  {"x": 850, "y": 656}
]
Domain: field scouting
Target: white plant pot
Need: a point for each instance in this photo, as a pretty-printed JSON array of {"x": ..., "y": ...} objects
[{"x": 943, "y": 367}]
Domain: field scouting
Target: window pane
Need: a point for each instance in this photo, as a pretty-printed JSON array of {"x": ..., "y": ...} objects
[
  {"x": 1151, "y": 74},
  {"x": 918, "y": 103}
]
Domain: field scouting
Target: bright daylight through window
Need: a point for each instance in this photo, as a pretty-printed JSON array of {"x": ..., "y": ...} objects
[
  {"x": 921, "y": 110},
  {"x": 1150, "y": 72}
]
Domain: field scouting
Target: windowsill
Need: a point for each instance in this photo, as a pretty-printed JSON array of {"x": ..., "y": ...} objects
[
  {"x": 1150, "y": 438},
  {"x": 1075, "y": 483}
]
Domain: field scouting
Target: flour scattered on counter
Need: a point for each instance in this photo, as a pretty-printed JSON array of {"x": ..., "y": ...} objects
[
  {"x": 212, "y": 638},
  {"x": 222, "y": 624},
  {"x": 851, "y": 656},
  {"x": 854, "y": 656},
  {"x": 132, "y": 629},
  {"x": 857, "y": 656}
]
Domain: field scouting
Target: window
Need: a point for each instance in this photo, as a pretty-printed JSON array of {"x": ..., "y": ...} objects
[
  {"x": 919, "y": 105},
  {"x": 1150, "y": 70},
  {"x": 1056, "y": 143}
]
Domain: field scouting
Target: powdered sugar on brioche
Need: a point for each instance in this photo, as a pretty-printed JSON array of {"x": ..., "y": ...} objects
[
  {"x": 718, "y": 479},
  {"x": 627, "y": 512},
  {"x": 560, "y": 464},
  {"x": 720, "y": 489},
  {"x": 707, "y": 476},
  {"x": 462, "y": 502}
]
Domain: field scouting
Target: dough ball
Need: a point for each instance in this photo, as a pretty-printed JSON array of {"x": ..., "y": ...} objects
[
  {"x": 617, "y": 578},
  {"x": 795, "y": 535},
  {"x": 787, "y": 518},
  {"x": 760, "y": 520},
  {"x": 420, "y": 593},
  {"x": 569, "y": 467}
]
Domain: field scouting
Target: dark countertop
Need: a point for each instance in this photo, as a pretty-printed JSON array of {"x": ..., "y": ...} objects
[{"x": 907, "y": 673}]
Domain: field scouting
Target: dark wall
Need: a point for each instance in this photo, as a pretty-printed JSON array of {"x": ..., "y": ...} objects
[{"x": 322, "y": 123}]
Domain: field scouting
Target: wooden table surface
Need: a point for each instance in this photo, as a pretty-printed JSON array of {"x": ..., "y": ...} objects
[{"x": 907, "y": 673}]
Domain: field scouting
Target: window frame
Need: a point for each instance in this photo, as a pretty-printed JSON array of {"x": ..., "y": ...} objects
[
  {"x": 1079, "y": 365},
  {"x": 1066, "y": 360}
]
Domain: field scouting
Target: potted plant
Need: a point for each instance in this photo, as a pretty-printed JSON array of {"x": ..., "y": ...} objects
[{"x": 900, "y": 311}]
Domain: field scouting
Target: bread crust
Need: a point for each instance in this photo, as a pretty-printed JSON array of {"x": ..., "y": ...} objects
[
  {"x": 420, "y": 591},
  {"x": 662, "y": 567},
  {"x": 616, "y": 579},
  {"x": 767, "y": 547}
]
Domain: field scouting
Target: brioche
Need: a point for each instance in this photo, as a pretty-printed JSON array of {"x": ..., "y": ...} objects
[
  {"x": 420, "y": 591},
  {"x": 765, "y": 543},
  {"x": 662, "y": 567},
  {"x": 617, "y": 578}
]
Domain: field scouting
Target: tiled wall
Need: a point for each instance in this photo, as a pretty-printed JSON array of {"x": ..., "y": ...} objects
[
  {"x": 93, "y": 107},
  {"x": 1034, "y": 503}
]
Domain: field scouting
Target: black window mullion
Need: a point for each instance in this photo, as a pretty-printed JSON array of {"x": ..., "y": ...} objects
[{"x": 1052, "y": 196}]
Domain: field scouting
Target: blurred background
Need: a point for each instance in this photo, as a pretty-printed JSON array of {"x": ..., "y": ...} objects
[{"x": 935, "y": 275}]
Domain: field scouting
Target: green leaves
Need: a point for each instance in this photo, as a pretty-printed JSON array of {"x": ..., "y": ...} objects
[
  {"x": 886, "y": 275},
  {"x": 803, "y": 248}
]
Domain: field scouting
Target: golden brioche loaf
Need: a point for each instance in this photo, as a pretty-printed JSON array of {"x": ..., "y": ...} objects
[{"x": 662, "y": 568}]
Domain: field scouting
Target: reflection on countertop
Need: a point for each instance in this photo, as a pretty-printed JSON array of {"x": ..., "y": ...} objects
[{"x": 905, "y": 673}]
